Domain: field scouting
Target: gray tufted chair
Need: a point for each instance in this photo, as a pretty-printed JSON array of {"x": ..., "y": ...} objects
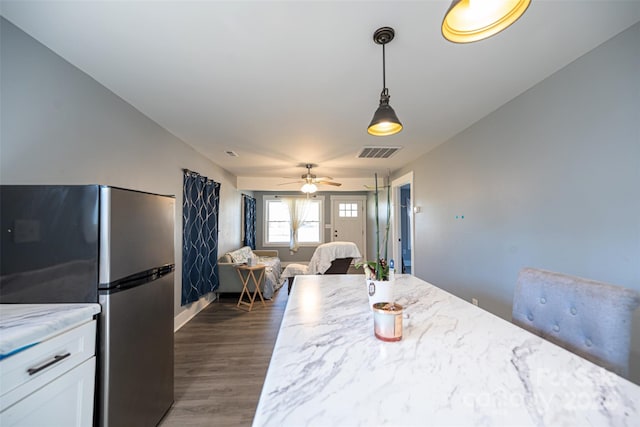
[{"x": 589, "y": 318}]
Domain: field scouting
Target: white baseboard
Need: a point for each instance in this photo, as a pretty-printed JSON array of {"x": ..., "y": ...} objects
[{"x": 194, "y": 308}]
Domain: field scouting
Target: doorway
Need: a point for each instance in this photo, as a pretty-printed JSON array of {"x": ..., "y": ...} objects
[
  {"x": 402, "y": 224},
  {"x": 348, "y": 221}
]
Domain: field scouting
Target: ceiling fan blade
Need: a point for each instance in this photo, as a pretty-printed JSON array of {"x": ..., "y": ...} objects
[{"x": 309, "y": 178}]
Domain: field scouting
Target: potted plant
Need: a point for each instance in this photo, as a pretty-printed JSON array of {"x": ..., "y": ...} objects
[{"x": 377, "y": 271}]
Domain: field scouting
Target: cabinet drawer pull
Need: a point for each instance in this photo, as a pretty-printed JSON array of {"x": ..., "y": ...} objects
[{"x": 57, "y": 358}]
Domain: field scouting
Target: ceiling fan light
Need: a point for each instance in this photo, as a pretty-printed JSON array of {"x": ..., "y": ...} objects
[
  {"x": 384, "y": 122},
  {"x": 309, "y": 187},
  {"x": 468, "y": 21}
]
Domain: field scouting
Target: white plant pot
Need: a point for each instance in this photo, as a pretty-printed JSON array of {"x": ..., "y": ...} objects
[{"x": 379, "y": 291}]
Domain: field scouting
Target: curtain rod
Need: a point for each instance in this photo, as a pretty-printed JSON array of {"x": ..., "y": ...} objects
[
  {"x": 207, "y": 180},
  {"x": 295, "y": 195}
]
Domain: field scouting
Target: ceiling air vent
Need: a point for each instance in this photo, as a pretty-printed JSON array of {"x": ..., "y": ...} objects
[
  {"x": 231, "y": 153},
  {"x": 377, "y": 152}
]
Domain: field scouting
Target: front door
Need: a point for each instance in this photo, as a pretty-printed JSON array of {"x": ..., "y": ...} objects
[{"x": 348, "y": 220}]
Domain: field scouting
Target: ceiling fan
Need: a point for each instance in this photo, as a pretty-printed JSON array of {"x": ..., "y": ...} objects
[{"x": 310, "y": 182}]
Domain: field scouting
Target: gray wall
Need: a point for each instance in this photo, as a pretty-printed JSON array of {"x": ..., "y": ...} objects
[
  {"x": 304, "y": 252},
  {"x": 59, "y": 126},
  {"x": 550, "y": 180}
]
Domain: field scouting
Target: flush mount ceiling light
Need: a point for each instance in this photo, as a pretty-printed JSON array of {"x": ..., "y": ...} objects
[
  {"x": 384, "y": 122},
  {"x": 468, "y": 21},
  {"x": 309, "y": 187}
]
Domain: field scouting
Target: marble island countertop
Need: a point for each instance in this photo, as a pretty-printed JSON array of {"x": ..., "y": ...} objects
[
  {"x": 24, "y": 325},
  {"x": 455, "y": 365}
]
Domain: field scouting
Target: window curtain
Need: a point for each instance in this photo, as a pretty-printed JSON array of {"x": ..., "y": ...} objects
[
  {"x": 297, "y": 213},
  {"x": 249, "y": 223},
  {"x": 200, "y": 206}
]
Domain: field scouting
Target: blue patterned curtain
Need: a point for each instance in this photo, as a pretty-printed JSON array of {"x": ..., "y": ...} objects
[
  {"x": 249, "y": 221},
  {"x": 200, "y": 205}
]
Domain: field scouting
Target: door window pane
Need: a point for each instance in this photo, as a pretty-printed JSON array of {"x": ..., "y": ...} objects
[{"x": 348, "y": 210}]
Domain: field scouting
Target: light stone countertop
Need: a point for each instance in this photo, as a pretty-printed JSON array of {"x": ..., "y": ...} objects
[
  {"x": 455, "y": 365},
  {"x": 24, "y": 325}
]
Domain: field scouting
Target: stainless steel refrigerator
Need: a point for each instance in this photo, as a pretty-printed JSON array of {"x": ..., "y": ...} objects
[{"x": 107, "y": 245}]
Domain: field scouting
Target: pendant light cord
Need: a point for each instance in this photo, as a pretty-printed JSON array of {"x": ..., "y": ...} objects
[{"x": 384, "y": 80}]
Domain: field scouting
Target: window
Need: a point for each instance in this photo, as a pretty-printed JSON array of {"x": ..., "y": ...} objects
[
  {"x": 348, "y": 210},
  {"x": 277, "y": 223}
]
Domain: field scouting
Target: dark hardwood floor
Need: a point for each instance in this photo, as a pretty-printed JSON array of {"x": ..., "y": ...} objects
[{"x": 221, "y": 359}]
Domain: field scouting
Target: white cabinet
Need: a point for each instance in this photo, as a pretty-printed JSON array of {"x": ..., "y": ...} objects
[{"x": 52, "y": 383}]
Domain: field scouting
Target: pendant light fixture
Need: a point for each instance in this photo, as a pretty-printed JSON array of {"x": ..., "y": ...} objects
[
  {"x": 468, "y": 21},
  {"x": 384, "y": 122}
]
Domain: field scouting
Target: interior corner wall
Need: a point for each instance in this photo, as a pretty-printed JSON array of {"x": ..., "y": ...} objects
[
  {"x": 60, "y": 126},
  {"x": 550, "y": 180}
]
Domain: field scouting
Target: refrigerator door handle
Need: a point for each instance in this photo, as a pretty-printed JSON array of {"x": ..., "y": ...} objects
[{"x": 139, "y": 278}]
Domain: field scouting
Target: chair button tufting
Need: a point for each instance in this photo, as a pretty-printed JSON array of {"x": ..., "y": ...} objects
[
  {"x": 543, "y": 300},
  {"x": 530, "y": 317},
  {"x": 556, "y": 328},
  {"x": 573, "y": 311},
  {"x": 588, "y": 343}
]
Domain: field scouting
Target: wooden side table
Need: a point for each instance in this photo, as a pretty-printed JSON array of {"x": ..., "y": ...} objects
[{"x": 249, "y": 274}]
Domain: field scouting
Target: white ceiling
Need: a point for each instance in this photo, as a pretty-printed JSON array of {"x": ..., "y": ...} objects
[{"x": 290, "y": 82}]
